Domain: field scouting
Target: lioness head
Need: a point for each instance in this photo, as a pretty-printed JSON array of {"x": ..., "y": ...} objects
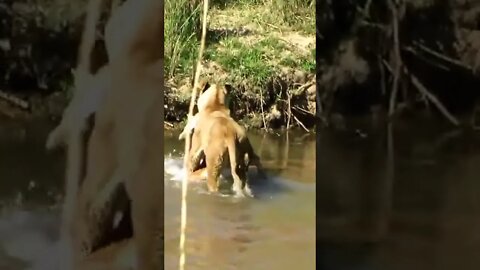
[{"x": 212, "y": 96}]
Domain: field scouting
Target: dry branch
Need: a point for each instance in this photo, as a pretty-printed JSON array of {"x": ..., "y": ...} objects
[
  {"x": 302, "y": 110},
  {"x": 262, "y": 102},
  {"x": 442, "y": 56},
  {"x": 289, "y": 110},
  {"x": 14, "y": 100},
  {"x": 420, "y": 56},
  {"x": 300, "y": 123},
  {"x": 398, "y": 59},
  {"x": 427, "y": 94},
  {"x": 416, "y": 82}
]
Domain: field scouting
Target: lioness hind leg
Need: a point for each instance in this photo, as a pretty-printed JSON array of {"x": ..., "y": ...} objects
[
  {"x": 242, "y": 170},
  {"x": 214, "y": 161},
  {"x": 253, "y": 158},
  {"x": 194, "y": 162}
]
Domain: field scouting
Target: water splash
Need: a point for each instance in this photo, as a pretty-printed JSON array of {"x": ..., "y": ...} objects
[
  {"x": 31, "y": 237},
  {"x": 174, "y": 168}
]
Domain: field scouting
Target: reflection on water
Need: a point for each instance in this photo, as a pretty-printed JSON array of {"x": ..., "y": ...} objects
[
  {"x": 418, "y": 209},
  {"x": 30, "y": 188},
  {"x": 275, "y": 231}
]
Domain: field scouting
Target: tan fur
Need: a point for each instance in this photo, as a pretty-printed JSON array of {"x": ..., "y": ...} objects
[
  {"x": 73, "y": 125},
  {"x": 118, "y": 143},
  {"x": 221, "y": 139},
  {"x": 210, "y": 97},
  {"x": 133, "y": 136},
  {"x": 192, "y": 122}
]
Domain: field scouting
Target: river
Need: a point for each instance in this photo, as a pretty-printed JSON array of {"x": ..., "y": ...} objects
[
  {"x": 408, "y": 198},
  {"x": 275, "y": 230}
]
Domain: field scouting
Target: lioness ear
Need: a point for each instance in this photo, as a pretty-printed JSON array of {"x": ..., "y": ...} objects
[
  {"x": 204, "y": 85},
  {"x": 228, "y": 88}
]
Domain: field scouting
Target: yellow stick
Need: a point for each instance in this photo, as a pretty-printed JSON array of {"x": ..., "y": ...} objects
[{"x": 187, "y": 139}]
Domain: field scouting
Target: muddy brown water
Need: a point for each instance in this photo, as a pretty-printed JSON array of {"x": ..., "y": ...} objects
[
  {"x": 412, "y": 205},
  {"x": 274, "y": 231}
]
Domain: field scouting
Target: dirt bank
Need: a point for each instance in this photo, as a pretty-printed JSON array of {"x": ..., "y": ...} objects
[{"x": 270, "y": 66}]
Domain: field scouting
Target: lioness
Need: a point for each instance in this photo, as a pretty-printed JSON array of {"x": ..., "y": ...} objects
[
  {"x": 118, "y": 143},
  {"x": 216, "y": 134},
  {"x": 203, "y": 101},
  {"x": 207, "y": 98},
  {"x": 125, "y": 142}
]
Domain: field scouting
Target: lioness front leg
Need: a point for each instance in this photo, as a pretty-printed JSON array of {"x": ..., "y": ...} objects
[{"x": 187, "y": 130}]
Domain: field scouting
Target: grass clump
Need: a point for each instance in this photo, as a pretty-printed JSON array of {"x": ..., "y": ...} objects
[
  {"x": 182, "y": 25},
  {"x": 258, "y": 61},
  {"x": 256, "y": 57}
]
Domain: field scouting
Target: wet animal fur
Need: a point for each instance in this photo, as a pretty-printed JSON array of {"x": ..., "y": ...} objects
[
  {"x": 119, "y": 137},
  {"x": 220, "y": 138}
]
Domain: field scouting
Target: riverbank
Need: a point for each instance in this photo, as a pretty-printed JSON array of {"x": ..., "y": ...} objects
[
  {"x": 264, "y": 49},
  {"x": 399, "y": 60}
]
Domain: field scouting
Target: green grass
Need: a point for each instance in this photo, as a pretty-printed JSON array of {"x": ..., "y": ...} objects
[
  {"x": 257, "y": 62},
  {"x": 297, "y": 13},
  {"x": 241, "y": 61},
  {"x": 254, "y": 57},
  {"x": 182, "y": 21}
]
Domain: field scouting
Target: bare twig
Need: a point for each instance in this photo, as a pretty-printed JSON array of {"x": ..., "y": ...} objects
[
  {"x": 14, "y": 100},
  {"x": 416, "y": 82},
  {"x": 427, "y": 94},
  {"x": 398, "y": 59},
  {"x": 302, "y": 110},
  {"x": 304, "y": 86},
  {"x": 419, "y": 55},
  {"x": 300, "y": 123},
  {"x": 442, "y": 56},
  {"x": 289, "y": 109},
  {"x": 262, "y": 102},
  {"x": 383, "y": 83}
]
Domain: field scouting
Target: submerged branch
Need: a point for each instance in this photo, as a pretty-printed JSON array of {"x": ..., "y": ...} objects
[
  {"x": 416, "y": 82},
  {"x": 14, "y": 100}
]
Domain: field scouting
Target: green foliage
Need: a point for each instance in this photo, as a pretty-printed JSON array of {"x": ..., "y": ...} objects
[
  {"x": 253, "y": 60},
  {"x": 298, "y": 13},
  {"x": 182, "y": 22}
]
